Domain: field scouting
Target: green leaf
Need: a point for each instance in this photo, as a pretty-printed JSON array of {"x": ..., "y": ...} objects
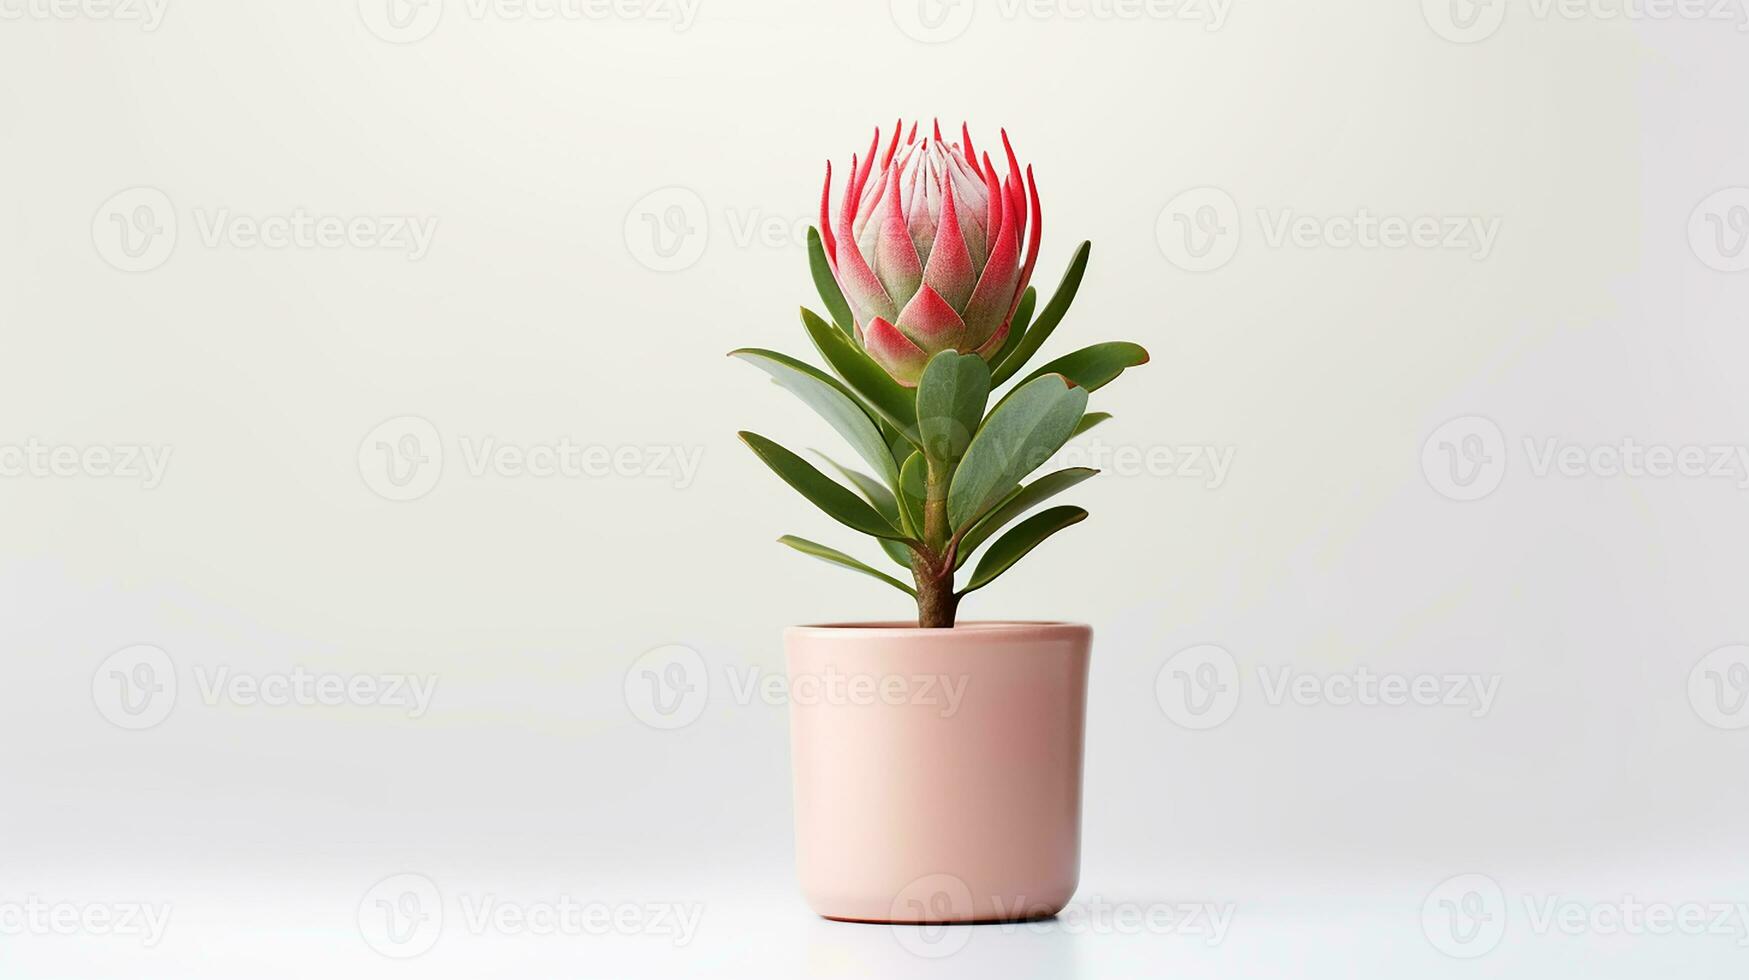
[
  {"x": 913, "y": 489},
  {"x": 872, "y": 490},
  {"x": 884, "y": 503},
  {"x": 825, "y": 395},
  {"x": 1088, "y": 421},
  {"x": 898, "y": 551},
  {"x": 1048, "y": 318},
  {"x": 1095, "y": 367},
  {"x": 836, "y": 557},
  {"x": 1017, "y": 325},
  {"x": 1018, "y": 503},
  {"x": 950, "y": 404},
  {"x": 890, "y": 400},
  {"x": 1015, "y": 545},
  {"x": 897, "y": 445},
  {"x": 830, "y": 496},
  {"x": 827, "y": 284},
  {"x": 1022, "y": 433}
]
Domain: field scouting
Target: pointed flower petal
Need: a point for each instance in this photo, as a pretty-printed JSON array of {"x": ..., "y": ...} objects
[
  {"x": 931, "y": 323},
  {"x": 894, "y": 352}
]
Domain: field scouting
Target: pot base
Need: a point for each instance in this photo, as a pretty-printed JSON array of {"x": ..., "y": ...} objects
[{"x": 931, "y": 922}]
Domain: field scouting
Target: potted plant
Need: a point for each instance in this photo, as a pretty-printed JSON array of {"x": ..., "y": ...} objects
[{"x": 938, "y": 763}]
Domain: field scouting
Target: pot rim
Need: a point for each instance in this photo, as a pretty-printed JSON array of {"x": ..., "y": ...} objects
[{"x": 897, "y": 628}]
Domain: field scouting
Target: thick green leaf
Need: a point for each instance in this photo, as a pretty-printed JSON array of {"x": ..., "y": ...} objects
[
  {"x": 1048, "y": 318},
  {"x": 836, "y": 557},
  {"x": 913, "y": 489},
  {"x": 889, "y": 399},
  {"x": 1017, "y": 326},
  {"x": 872, "y": 490},
  {"x": 1088, "y": 421},
  {"x": 839, "y": 503},
  {"x": 1030, "y": 425},
  {"x": 827, "y": 284},
  {"x": 1016, "y": 504},
  {"x": 1014, "y": 545},
  {"x": 884, "y": 503},
  {"x": 950, "y": 404},
  {"x": 899, "y": 446},
  {"x": 1095, "y": 367},
  {"x": 825, "y": 395},
  {"x": 898, "y": 551}
]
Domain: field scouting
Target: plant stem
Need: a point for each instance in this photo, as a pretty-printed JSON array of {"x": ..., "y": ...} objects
[{"x": 936, "y": 603}]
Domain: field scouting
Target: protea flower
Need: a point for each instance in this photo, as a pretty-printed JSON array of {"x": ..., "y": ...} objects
[{"x": 928, "y": 250}]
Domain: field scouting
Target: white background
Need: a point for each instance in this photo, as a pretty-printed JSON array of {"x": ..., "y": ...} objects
[{"x": 1609, "y": 306}]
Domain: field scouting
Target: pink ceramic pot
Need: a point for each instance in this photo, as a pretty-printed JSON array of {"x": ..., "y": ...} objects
[{"x": 938, "y": 771}]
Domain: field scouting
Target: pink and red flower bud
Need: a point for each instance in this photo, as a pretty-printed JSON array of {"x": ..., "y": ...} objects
[{"x": 928, "y": 248}]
